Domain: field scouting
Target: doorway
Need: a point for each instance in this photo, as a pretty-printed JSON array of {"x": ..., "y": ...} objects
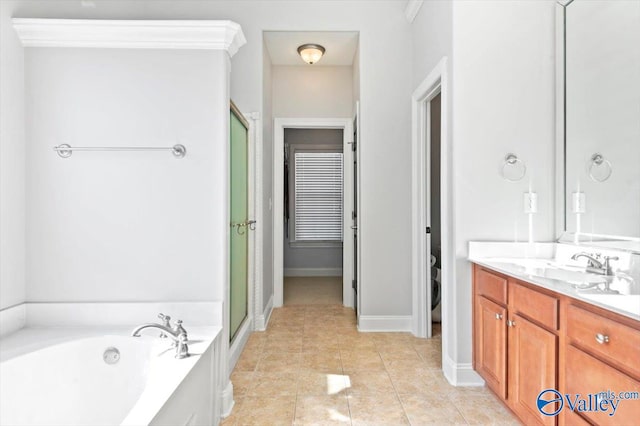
[
  {"x": 335, "y": 153},
  {"x": 313, "y": 216},
  {"x": 434, "y": 206},
  {"x": 432, "y": 226}
]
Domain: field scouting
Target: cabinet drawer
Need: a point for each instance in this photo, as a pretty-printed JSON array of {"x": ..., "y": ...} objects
[
  {"x": 490, "y": 285},
  {"x": 537, "y": 306},
  {"x": 587, "y": 375},
  {"x": 622, "y": 344}
]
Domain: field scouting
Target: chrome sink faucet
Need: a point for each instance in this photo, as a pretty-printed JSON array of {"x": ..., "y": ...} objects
[
  {"x": 595, "y": 265},
  {"x": 178, "y": 334}
]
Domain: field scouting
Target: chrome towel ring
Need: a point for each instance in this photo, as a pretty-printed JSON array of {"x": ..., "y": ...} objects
[
  {"x": 513, "y": 168},
  {"x": 600, "y": 168}
]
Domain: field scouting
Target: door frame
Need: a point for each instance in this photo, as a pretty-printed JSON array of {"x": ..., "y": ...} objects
[
  {"x": 279, "y": 124},
  {"x": 436, "y": 82}
]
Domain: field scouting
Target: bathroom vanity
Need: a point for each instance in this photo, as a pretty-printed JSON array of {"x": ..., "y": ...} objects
[{"x": 533, "y": 332}]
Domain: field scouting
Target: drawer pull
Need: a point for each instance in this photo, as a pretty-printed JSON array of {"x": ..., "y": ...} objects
[
  {"x": 602, "y": 338},
  {"x": 511, "y": 323},
  {"x": 498, "y": 316}
]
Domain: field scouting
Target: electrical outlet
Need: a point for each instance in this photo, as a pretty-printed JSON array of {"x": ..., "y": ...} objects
[
  {"x": 578, "y": 202},
  {"x": 530, "y": 202}
]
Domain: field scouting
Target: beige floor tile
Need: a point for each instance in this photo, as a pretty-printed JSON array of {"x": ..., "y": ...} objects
[
  {"x": 247, "y": 361},
  {"x": 266, "y": 410},
  {"x": 359, "y": 382},
  {"x": 431, "y": 410},
  {"x": 312, "y": 366},
  {"x": 319, "y": 383},
  {"x": 277, "y": 384},
  {"x": 361, "y": 360},
  {"x": 326, "y": 362},
  {"x": 279, "y": 362},
  {"x": 322, "y": 410},
  {"x": 376, "y": 409},
  {"x": 283, "y": 344},
  {"x": 242, "y": 381},
  {"x": 484, "y": 410}
]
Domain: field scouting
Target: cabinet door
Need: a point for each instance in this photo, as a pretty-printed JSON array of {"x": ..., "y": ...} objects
[
  {"x": 491, "y": 349},
  {"x": 586, "y": 375},
  {"x": 532, "y": 368}
]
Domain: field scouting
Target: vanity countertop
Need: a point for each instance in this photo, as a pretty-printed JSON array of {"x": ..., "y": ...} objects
[{"x": 525, "y": 269}]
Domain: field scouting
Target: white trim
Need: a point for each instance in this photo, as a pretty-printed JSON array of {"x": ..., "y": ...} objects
[
  {"x": 461, "y": 374},
  {"x": 436, "y": 82},
  {"x": 262, "y": 320},
  {"x": 412, "y": 9},
  {"x": 372, "y": 323},
  {"x": 239, "y": 341},
  {"x": 255, "y": 212},
  {"x": 130, "y": 34},
  {"x": 279, "y": 124},
  {"x": 226, "y": 397},
  {"x": 560, "y": 125},
  {"x": 312, "y": 272}
]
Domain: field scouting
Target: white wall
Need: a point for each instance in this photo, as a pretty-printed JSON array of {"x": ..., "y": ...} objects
[
  {"x": 503, "y": 101},
  {"x": 298, "y": 258},
  {"x": 307, "y": 91},
  {"x": 385, "y": 87},
  {"x": 501, "y": 72},
  {"x": 126, "y": 226},
  {"x": 12, "y": 163}
]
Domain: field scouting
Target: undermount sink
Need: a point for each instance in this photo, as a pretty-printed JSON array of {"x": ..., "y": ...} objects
[{"x": 567, "y": 275}]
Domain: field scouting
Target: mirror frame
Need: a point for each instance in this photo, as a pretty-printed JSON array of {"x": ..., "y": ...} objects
[{"x": 630, "y": 244}]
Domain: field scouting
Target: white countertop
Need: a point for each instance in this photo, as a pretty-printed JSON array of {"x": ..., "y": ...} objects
[{"x": 520, "y": 268}]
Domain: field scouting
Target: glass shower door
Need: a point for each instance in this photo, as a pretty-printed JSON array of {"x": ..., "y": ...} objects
[{"x": 239, "y": 229}]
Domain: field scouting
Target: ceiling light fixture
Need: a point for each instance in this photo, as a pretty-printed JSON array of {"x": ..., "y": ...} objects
[{"x": 311, "y": 53}]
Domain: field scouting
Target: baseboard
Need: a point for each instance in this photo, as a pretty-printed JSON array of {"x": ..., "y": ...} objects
[
  {"x": 369, "y": 323},
  {"x": 238, "y": 343},
  {"x": 227, "y": 400},
  {"x": 261, "y": 321},
  {"x": 460, "y": 374},
  {"x": 313, "y": 272}
]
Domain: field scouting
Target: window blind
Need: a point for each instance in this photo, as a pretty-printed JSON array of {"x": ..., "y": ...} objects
[{"x": 318, "y": 196}]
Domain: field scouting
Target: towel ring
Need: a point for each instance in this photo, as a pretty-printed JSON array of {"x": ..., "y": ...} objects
[
  {"x": 513, "y": 168},
  {"x": 598, "y": 162}
]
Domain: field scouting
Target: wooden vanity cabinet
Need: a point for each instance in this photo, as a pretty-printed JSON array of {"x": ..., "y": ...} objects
[
  {"x": 528, "y": 339},
  {"x": 490, "y": 330},
  {"x": 515, "y": 342}
]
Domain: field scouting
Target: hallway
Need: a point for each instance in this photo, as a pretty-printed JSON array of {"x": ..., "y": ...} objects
[
  {"x": 312, "y": 366},
  {"x": 312, "y": 291}
]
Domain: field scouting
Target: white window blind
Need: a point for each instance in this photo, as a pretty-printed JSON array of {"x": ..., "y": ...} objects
[{"x": 318, "y": 196}]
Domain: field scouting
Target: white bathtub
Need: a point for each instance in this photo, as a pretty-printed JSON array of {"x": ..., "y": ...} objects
[{"x": 67, "y": 382}]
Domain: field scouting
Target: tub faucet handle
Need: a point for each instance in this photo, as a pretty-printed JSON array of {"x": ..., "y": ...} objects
[
  {"x": 166, "y": 321},
  {"x": 178, "y": 328}
]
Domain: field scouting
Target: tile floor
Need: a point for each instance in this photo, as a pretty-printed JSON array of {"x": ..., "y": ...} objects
[
  {"x": 313, "y": 367},
  {"x": 312, "y": 291}
]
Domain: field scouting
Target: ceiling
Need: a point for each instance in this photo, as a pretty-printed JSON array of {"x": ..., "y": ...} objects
[{"x": 340, "y": 47}]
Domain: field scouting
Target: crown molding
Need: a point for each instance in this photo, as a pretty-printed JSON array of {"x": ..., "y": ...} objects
[
  {"x": 412, "y": 9},
  {"x": 130, "y": 34}
]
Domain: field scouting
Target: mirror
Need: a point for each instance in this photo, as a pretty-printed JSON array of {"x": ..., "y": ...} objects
[{"x": 599, "y": 130}]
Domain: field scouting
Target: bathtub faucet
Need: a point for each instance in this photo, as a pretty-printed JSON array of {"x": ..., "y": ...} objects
[{"x": 178, "y": 334}]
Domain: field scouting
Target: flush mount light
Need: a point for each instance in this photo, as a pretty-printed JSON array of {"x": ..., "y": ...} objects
[{"x": 311, "y": 53}]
